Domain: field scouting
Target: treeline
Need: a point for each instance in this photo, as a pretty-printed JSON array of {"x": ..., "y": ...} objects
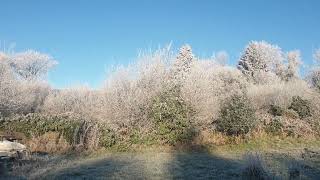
[{"x": 164, "y": 98}]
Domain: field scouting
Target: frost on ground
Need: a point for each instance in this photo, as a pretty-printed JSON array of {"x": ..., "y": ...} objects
[{"x": 298, "y": 163}]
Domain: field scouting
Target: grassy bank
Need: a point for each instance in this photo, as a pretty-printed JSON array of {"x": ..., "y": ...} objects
[{"x": 278, "y": 156}]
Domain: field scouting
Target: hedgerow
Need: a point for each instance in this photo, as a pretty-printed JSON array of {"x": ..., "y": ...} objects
[{"x": 164, "y": 98}]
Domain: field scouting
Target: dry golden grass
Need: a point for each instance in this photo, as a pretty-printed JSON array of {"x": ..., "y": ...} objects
[{"x": 50, "y": 142}]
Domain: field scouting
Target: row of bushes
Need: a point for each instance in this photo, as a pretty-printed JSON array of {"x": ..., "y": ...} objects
[
  {"x": 165, "y": 99},
  {"x": 172, "y": 123},
  {"x": 238, "y": 117}
]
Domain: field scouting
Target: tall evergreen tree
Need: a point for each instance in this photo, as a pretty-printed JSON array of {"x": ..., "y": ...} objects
[{"x": 182, "y": 65}]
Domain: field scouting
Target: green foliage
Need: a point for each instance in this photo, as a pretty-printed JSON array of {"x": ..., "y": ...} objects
[
  {"x": 107, "y": 137},
  {"x": 111, "y": 140},
  {"x": 37, "y": 125},
  {"x": 276, "y": 110},
  {"x": 138, "y": 137},
  {"x": 237, "y": 116},
  {"x": 171, "y": 117},
  {"x": 275, "y": 126},
  {"x": 301, "y": 106}
]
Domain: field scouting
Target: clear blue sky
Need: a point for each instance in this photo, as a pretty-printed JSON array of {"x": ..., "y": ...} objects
[{"x": 87, "y": 37}]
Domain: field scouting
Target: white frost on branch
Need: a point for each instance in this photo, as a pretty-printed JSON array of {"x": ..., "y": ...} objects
[
  {"x": 221, "y": 57},
  {"x": 314, "y": 75},
  {"x": 182, "y": 65},
  {"x": 19, "y": 89},
  {"x": 294, "y": 62},
  {"x": 316, "y": 55},
  {"x": 31, "y": 65},
  {"x": 260, "y": 59}
]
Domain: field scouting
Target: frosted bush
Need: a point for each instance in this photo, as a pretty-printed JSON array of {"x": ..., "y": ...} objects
[
  {"x": 314, "y": 79},
  {"x": 209, "y": 83},
  {"x": 278, "y": 93},
  {"x": 294, "y": 60},
  {"x": 314, "y": 74},
  {"x": 289, "y": 70},
  {"x": 316, "y": 55},
  {"x": 128, "y": 91},
  {"x": 80, "y": 100}
]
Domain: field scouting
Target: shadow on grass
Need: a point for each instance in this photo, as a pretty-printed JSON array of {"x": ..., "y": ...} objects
[
  {"x": 186, "y": 161},
  {"x": 176, "y": 165},
  {"x": 289, "y": 167},
  {"x": 195, "y": 161}
]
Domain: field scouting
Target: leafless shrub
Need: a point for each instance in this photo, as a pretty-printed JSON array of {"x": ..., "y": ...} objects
[
  {"x": 129, "y": 91},
  {"x": 79, "y": 100},
  {"x": 254, "y": 167},
  {"x": 209, "y": 83},
  {"x": 278, "y": 93}
]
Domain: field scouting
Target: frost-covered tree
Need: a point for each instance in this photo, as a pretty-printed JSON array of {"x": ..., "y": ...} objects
[
  {"x": 31, "y": 65},
  {"x": 260, "y": 60},
  {"x": 5, "y": 86},
  {"x": 314, "y": 76},
  {"x": 294, "y": 62},
  {"x": 17, "y": 93},
  {"x": 221, "y": 57},
  {"x": 182, "y": 65},
  {"x": 316, "y": 55}
]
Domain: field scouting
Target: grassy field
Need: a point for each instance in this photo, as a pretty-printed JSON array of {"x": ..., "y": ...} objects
[{"x": 280, "y": 158}]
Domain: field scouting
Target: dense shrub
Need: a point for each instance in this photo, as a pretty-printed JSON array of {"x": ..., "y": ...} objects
[
  {"x": 237, "y": 116},
  {"x": 301, "y": 106},
  {"x": 314, "y": 79},
  {"x": 287, "y": 126},
  {"x": 75, "y": 130},
  {"x": 79, "y": 100},
  {"x": 277, "y": 93},
  {"x": 107, "y": 137},
  {"x": 171, "y": 117},
  {"x": 276, "y": 110},
  {"x": 207, "y": 85},
  {"x": 275, "y": 126}
]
